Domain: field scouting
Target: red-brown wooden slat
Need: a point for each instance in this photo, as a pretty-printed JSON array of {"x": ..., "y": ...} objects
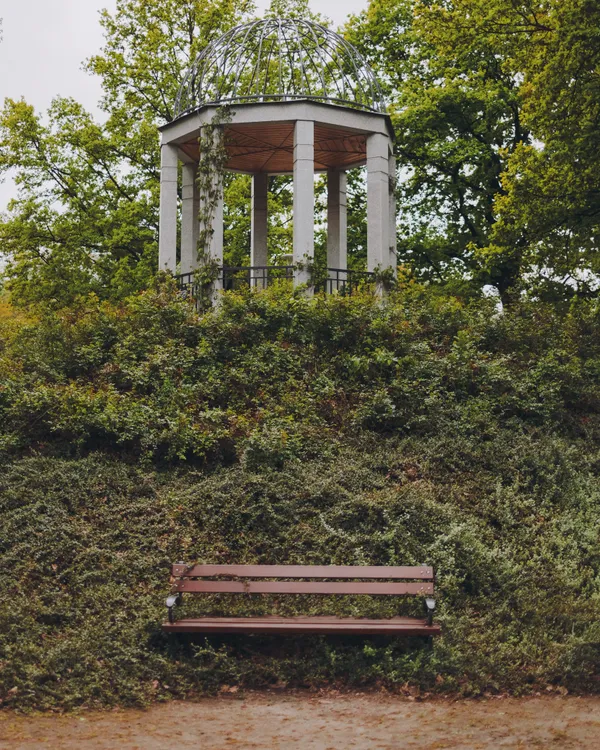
[
  {"x": 305, "y": 587},
  {"x": 347, "y": 147},
  {"x": 299, "y": 618},
  {"x": 421, "y": 572},
  {"x": 314, "y": 625}
]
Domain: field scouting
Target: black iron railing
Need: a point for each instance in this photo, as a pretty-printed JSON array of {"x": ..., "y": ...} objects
[
  {"x": 230, "y": 278},
  {"x": 255, "y": 277},
  {"x": 344, "y": 281},
  {"x": 189, "y": 286}
]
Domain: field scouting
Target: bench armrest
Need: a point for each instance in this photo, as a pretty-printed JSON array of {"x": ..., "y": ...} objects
[
  {"x": 430, "y": 609},
  {"x": 172, "y": 601}
]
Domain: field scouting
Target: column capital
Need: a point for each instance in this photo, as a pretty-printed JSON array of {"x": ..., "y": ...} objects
[{"x": 169, "y": 156}]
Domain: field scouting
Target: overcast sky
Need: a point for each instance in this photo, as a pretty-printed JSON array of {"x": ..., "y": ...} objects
[{"x": 45, "y": 42}]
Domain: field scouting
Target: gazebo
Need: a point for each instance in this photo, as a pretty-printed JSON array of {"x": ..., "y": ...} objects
[{"x": 301, "y": 100}]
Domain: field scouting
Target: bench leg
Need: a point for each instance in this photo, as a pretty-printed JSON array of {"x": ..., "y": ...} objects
[
  {"x": 430, "y": 609},
  {"x": 172, "y": 601}
]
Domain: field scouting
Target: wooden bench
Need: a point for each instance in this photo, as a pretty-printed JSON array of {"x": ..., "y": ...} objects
[{"x": 250, "y": 579}]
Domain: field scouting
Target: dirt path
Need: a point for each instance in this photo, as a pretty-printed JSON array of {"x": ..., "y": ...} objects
[{"x": 307, "y": 722}]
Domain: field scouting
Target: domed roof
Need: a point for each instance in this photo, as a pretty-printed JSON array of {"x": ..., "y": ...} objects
[{"x": 280, "y": 60}]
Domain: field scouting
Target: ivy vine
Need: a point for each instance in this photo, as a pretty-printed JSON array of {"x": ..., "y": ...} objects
[{"x": 209, "y": 180}]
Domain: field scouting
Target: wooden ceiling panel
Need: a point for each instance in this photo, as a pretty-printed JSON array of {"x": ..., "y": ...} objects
[{"x": 270, "y": 147}]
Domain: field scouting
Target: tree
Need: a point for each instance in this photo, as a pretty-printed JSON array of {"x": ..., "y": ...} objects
[
  {"x": 496, "y": 109},
  {"x": 83, "y": 221},
  {"x": 552, "y": 185},
  {"x": 456, "y": 111},
  {"x": 86, "y": 215}
]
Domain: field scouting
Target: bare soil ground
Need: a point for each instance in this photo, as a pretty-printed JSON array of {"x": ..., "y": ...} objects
[{"x": 308, "y": 722}]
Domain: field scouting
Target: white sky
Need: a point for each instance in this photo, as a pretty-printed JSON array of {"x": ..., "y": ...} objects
[{"x": 46, "y": 41}]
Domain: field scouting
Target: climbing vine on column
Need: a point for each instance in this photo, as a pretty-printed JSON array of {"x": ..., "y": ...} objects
[{"x": 209, "y": 180}]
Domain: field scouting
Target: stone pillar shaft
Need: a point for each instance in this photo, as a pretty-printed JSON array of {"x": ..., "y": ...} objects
[
  {"x": 216, "y": 239},
  {"x": 259, "y": 226},
  {"x": 189, "y": 218},
  {"x": 337, "y": 220},
  {"x": 167, "y": 234},
  {"x": 378, "y": 202},
  {"x": 304, "y": 197},
  {"x": 393, "y": 236}
]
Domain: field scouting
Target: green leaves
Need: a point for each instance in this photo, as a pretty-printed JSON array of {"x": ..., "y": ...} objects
[
  {"x": 86, "y": 218},
  {"x": 495, "y": 106},
  {"x": 80, "y": 223},
  {"x": 552, "y": 188},
  {"x": 455, "y": 110},
  {"x": 510, "y": 527},
  {"x": 281, "y": 377},
  {"x": 281, "y": 429}
]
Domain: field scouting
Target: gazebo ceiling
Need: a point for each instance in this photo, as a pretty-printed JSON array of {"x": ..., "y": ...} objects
[{"x": 269, "y": 147}]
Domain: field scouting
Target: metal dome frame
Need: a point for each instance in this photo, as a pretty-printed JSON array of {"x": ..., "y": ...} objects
[{"x": 280, "y": 59}]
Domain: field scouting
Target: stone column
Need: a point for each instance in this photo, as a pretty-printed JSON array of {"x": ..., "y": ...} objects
[
  {"x": 393, "y": 240},
  {"x": 216, "y": 240},
  {"x": 304, "y": 197},
  {"x": 378, "y": 202},
  {"x": 167, "y": 232},
  {"x": 189, "y": 218},
  {"x": 258, "y": 237},
  {"x": 337, "y": 224}
]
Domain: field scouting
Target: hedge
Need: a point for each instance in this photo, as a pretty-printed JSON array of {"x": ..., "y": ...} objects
[{"x": 280, "y": 429}]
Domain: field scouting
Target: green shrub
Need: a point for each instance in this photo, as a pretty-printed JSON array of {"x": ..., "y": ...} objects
[
  {"x": 87, "y": 545},
  {"x": 290, "y": 430},
  {"x": 152, "y": 380}
]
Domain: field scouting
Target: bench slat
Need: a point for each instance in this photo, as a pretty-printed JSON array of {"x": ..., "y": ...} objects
[
  {"x": 417, "y": 588},
  {"x": 307, "y": 625},
  {"x": 422, "y": 572}
]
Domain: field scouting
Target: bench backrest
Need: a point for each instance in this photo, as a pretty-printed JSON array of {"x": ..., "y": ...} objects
[{"x": 351, "y": 579}]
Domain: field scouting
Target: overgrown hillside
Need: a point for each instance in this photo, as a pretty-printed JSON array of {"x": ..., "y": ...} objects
[{"x": 287, "y": 430}]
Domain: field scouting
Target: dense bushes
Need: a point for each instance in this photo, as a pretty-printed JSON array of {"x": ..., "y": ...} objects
[
  {"x": 278, "y": 430},
  {"x": 271, "y": 378},
  {"x": 512, "y": 531}
]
